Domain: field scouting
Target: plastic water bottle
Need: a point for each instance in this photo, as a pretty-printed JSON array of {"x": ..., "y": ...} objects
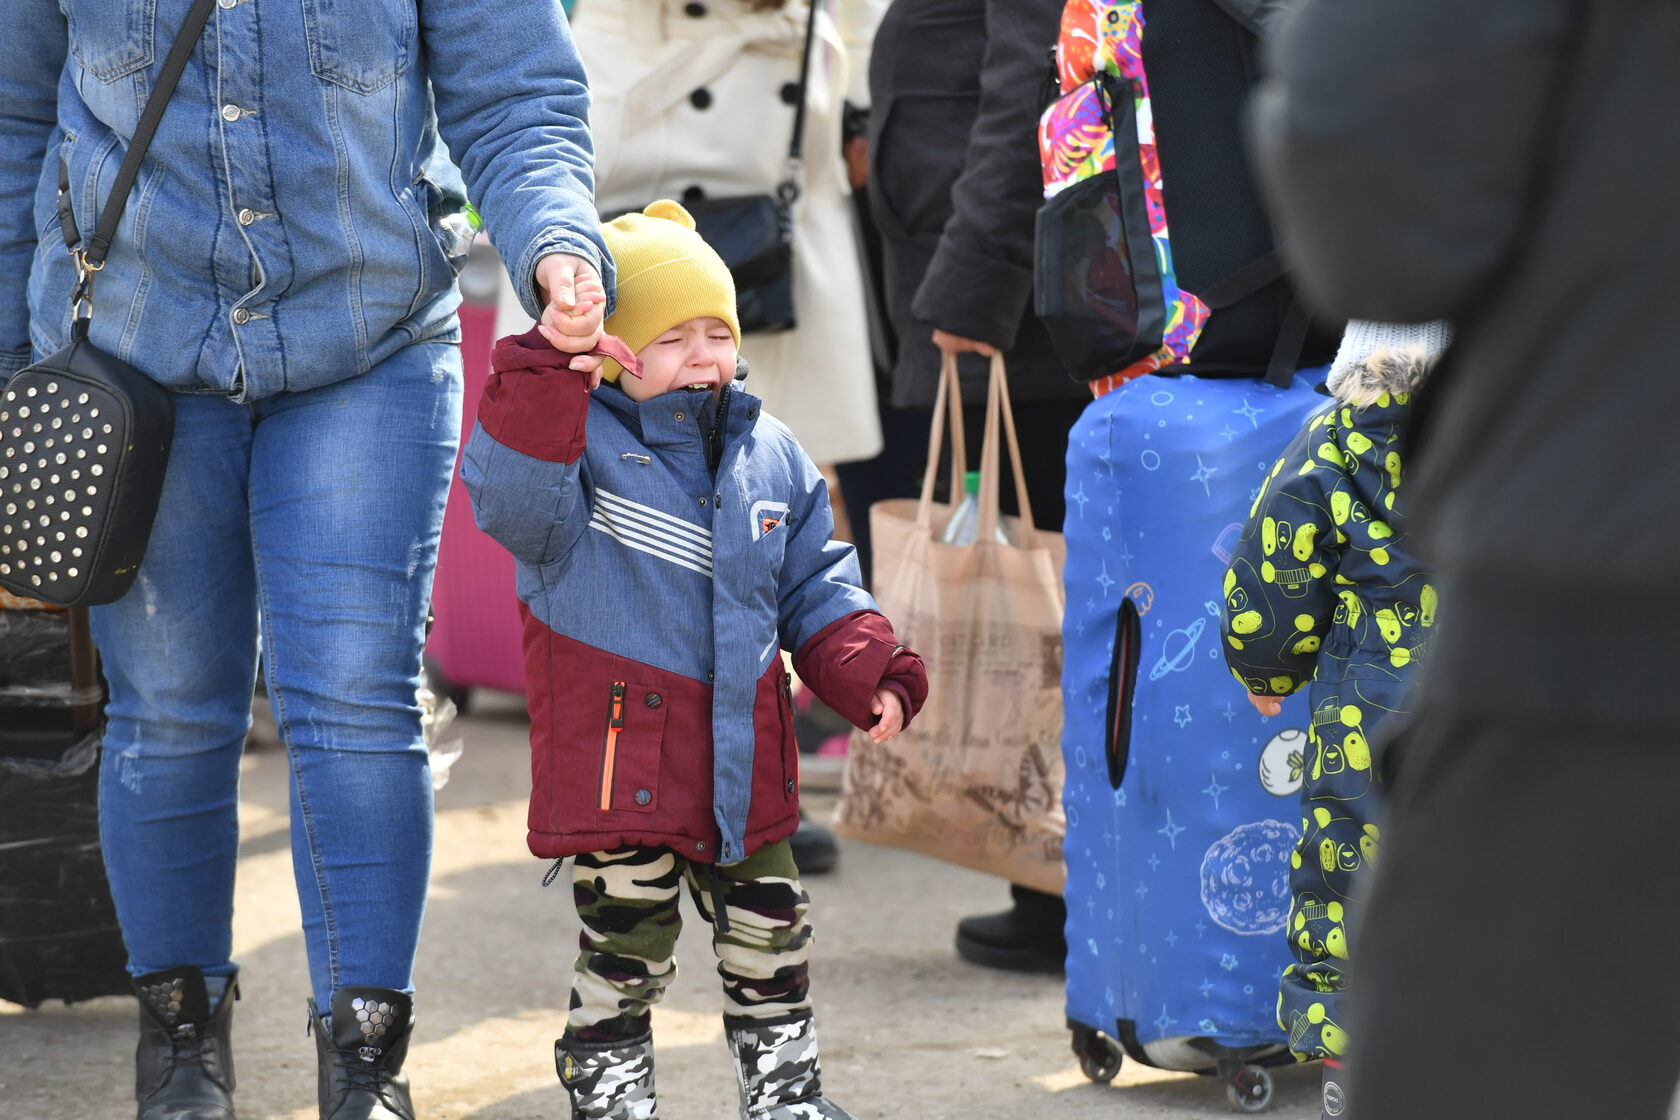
[{"x": 965, "y": 519}]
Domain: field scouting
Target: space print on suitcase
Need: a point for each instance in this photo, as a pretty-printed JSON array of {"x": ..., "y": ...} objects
[{"x": 1182, "y": 803}]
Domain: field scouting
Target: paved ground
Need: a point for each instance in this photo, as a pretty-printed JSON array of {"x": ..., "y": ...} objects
[{"x": 908, "y": 1031}]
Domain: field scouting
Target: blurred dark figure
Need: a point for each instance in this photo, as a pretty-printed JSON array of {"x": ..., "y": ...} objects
[
  {"x": 1510, "y": 165},
  {"x": 954, "y": 186}
]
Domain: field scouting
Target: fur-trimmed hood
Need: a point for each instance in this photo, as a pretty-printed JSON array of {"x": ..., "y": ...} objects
[
  {"x": 1376, "y": 358},
  {"x": 1389, "y": 370}
]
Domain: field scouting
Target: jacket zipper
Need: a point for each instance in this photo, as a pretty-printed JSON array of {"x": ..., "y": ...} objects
[{"x": 615, "y": 724}]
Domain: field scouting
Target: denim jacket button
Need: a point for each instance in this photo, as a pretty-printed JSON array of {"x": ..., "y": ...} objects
[
  {"x": 231, "y": 113},
  {"x": 247, "y": 216},
  {"x": 241, "y": 316}
]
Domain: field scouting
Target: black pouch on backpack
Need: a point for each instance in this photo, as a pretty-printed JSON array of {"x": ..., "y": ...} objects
[{"x": 1097, "y": 284}]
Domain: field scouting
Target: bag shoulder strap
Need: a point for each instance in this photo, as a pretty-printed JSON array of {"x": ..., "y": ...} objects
[
  {"x": 789, "y": 189},
  {"x": 100, "y": 243}
]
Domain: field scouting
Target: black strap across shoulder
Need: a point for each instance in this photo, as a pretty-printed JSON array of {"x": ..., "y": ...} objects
[
  {"x": 789, "y": 189},
  {"x": 100, "y": 243}
]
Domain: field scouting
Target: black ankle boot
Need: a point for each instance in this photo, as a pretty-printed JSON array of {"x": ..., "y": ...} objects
[
  {"x": 361, "y": 1054},
  {"x": 183, "y": 1066},
  {"x": 1027, "y": 937}
]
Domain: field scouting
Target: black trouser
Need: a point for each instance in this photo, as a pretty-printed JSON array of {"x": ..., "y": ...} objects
[{"x": 1518, "y": 955}]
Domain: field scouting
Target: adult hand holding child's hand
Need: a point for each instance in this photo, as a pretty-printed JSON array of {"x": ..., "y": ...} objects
[
  {"x": 1267, "y": 706},
  {"x": 574, "y": 305}
]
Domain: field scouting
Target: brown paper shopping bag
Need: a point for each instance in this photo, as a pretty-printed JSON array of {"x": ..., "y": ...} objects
[{"x": 976, "y": 780}]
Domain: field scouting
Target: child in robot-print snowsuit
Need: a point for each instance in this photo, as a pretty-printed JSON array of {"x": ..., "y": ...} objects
[{"x": 1323, "y": 590}]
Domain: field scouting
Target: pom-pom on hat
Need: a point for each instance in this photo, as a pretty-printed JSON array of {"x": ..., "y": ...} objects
[{"x": 667, "y": 274}]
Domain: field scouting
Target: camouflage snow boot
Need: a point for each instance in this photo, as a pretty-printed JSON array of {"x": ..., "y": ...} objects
[
  {"x": 361, "y": 1052},
  {"x": 608, "y": 1080},
  {"x": 183, "y": 1066},
  {"x": 776, "y": 1063}
]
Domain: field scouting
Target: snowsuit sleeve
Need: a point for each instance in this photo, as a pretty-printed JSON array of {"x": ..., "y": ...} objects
[
  {"x": 843, "y": 647},
  {"x": 523, "y": 463},
  {"x": 1280, "y": 597}
]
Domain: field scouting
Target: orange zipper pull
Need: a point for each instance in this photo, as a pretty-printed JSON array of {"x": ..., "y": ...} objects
[{"x": 615, "y": 723}]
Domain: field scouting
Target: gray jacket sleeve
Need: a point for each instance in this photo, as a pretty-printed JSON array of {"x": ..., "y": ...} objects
[
  {"x": 980, "y": 281},
  {"x": 1401, "y": 145}
]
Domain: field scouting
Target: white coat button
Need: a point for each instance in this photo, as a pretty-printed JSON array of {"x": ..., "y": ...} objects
[
  {"x": 231, "y": 113},
  {"x": 241, "y": 316}
]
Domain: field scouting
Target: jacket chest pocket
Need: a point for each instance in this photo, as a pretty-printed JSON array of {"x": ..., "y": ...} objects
[
  {"x": 632, "y": 739},
  {"x": 117, "y": 40},
  {"x": 362, "y": 45}
]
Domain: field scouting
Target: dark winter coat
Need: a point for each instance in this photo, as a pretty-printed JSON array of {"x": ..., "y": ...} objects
[
  {"x": 1510, "y": 166},
  {"x": 957, "y": 87},
  {"x": 668, "y": 550}
]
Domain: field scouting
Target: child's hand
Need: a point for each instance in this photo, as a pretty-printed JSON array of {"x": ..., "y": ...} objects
[
  {"x": 1267, "y": 706},
  {"x": 891, "y": 710},
  {"x": 575, "y": 302}
]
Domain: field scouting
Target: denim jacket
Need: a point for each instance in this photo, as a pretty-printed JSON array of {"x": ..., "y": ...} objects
[{"x": 288, "y": 227}]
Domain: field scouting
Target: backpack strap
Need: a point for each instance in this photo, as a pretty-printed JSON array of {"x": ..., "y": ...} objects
[
  {"x": 1244, "y": 282},
  {"x": 1297, "y": 320},
  {"x": 1291, "y": 340}
]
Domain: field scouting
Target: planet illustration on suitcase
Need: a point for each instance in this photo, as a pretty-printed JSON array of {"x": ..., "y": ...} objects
[
  {"x": 1283, "y": 761},
  {"x": 1245, "y": 877}
]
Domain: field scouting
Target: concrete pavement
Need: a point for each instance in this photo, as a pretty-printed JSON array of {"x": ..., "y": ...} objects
[{"x": 908, "y": 1031}]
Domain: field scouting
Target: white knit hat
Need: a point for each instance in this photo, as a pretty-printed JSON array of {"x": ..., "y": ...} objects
[{"x": 1363, "y": 338}]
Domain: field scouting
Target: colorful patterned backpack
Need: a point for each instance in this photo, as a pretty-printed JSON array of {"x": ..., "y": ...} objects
[{"x": 1116, "y": 299}]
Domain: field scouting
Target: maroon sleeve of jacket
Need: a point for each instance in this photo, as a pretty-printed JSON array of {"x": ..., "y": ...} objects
[
  {"x": 535, "y": 402},
  {"x": 847, "y": 660}
]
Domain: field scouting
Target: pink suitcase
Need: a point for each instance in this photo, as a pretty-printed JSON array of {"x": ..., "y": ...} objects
[{"x": 475, "y": 639}]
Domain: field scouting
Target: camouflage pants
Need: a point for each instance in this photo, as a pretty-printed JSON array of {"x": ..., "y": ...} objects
[
  {"x": 1330, "y": 871},
  {"x": 627, "y": 899}
]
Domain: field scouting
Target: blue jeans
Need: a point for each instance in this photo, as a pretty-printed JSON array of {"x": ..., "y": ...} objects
[{"x": 313, "y": 518}]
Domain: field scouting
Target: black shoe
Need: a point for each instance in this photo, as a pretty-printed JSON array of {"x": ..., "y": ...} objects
[
  {"x": 1027, "y": 937},
  {"x": 361, "y": 1054},
  {"x": 183, "y": 1066},
  {"x": 815, "y": 850}
]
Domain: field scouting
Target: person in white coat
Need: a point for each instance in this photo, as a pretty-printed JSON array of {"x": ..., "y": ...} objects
[{"x": 667, "y": 74}]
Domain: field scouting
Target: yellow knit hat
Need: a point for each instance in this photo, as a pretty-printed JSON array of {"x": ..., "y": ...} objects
[{"x": 667, "y": 274}]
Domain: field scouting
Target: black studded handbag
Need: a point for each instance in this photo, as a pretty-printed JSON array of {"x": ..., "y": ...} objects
[{"x": 84, "y": 436}]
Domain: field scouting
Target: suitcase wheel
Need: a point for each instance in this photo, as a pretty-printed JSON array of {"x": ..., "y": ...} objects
[
  {"x": 1249, "y": 1089},
  {"x": 1099, "y": 1056}
]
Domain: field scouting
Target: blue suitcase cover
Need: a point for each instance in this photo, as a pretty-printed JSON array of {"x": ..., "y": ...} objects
[{"x": 1182, "y": 802}]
